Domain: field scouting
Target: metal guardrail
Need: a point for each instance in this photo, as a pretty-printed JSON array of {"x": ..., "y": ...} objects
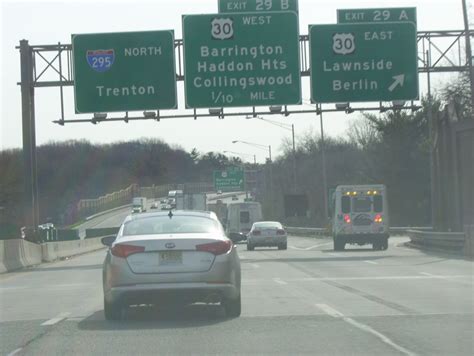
[
  {"x": 307, "y": 231},
  {"x": 446, "y": 241},
  {"x": 396, "y": 230}
]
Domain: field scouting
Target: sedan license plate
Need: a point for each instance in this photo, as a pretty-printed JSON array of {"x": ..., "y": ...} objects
[{"x": 170, "y": 257}]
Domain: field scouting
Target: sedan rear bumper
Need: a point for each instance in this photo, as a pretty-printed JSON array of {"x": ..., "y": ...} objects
[
  {"x": 172, "y": 292},
  {"x": 267, "y": 241}
]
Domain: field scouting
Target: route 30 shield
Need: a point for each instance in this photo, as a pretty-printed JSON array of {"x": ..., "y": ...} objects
[
  {"x": 222, "y": 28},
  {"x": 343, "y": 43}
]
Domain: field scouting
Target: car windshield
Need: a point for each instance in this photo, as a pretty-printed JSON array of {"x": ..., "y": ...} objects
[{"x": 163, "y": 224}]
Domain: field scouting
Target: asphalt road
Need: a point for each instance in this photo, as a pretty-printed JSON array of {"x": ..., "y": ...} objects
[{"x": 306, "y": 300}]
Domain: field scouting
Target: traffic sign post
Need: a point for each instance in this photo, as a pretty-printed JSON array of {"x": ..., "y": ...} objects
[
  {"x": 398, "y": 14},
  {"x": 363, "y": 62},
  {"x": 257, "y": 5},
  {"x": 241, "y": 59},
  {"x": 230, "y": 180},
  {"x": 125, "y": 71}
]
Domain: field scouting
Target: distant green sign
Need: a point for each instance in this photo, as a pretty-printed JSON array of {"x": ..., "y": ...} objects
[
  {"x": 241, "y": 59},
  {"x": 125, "y": 71},
  {"x": 257, "y": 5},
  {"x": 230, "y": 180},
  {"x": 397, "y": 14},
  {"x": 363, "y": 62}
]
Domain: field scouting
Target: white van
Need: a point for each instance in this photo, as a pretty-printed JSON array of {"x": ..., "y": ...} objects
[
  {"x": 240, "y": 218},
  {"x": 360, "y": 216}
]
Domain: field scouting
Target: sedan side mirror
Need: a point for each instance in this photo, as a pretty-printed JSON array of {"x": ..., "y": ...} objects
[{"x": 108, "y": 240}]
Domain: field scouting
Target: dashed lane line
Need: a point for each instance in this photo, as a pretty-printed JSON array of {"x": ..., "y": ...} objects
[
  {"x": 279, "y": 281},
  {"x": 371, "y": 262},
  {"x": 56, "y": 319},
  {"x": 310, "y": 247},
  {"x": 14, "y": 352},
  {"x": 338, "y": 315}
]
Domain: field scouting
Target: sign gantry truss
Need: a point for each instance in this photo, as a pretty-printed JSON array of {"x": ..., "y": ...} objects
[{"x": 438, "y": 52}]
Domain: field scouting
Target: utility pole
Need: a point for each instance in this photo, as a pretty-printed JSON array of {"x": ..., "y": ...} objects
[
  {"x": 468, "y": 50},
  {"x": 294, "y": 157},
  {"x": 29, "y": 136}
]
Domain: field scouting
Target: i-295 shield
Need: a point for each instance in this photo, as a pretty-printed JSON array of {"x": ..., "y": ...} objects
[
  {"x": 343, "y": 43},
  {"x": 222, "y": 28}
]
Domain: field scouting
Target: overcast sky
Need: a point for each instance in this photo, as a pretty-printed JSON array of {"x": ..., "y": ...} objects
[{"x": 54, "y": 21}]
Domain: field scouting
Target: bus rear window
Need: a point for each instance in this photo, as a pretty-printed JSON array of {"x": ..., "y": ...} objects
[
  {"x": 346, "y": 204},
  {"x": 361, "y": 204},
  {"x": 244, "y": 217},
  {"x": 378, "y": 204}
]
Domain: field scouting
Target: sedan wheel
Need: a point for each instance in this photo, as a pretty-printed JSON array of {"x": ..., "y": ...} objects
[
  {"x": 233, "y": 307},
  {"x": 112, "y": 310}
]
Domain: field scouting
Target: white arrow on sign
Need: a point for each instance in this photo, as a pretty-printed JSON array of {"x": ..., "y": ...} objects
[{"x": 399, "y": 80}]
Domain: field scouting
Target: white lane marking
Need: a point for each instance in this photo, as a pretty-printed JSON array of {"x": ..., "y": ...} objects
[
  {"x": 330, "y": 311},
  {"x": 447, "y": 278},
  {"x": 336, "y": 314},
  {"x": 56, "y": 319},
  {"x": 279, "y": 281},
  {"x": 310, "y": 247},
  {"x": 296, "y": 248},
  {"x": 307, "y": 279},
  {"x": 11, "y": 288},
  {"x": 14, "y": 352},
  {"x": 371, "y": 262},
  {"x": 334, "y": 254}
]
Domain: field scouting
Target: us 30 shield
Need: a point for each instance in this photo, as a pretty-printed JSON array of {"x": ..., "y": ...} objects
[
  {"x": 100, "y": 60},
  {"x": 222, "y": 28},
  {"x": 343, "y": 43}
]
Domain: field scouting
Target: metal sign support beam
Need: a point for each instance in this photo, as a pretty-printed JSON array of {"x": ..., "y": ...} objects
[{"x": 29, "y": 137}]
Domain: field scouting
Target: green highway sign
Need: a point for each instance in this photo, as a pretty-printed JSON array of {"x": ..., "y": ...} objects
[
  {"x": 230, "y": 180},
  {"x": 363, "y": 62},
  {"x": 396, "y": 14},
  {"x": 125, "y": 71},
  {"x": 241, "y": 59},
  {"x": 257, "y": 5}
]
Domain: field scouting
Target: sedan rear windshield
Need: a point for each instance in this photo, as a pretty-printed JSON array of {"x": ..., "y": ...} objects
[
  {"x": 175, "y": 225},
  {"x": 267, "y": 225}
]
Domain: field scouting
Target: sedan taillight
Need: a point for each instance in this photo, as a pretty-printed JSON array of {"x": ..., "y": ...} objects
[
  {"x": 123, "y": 251},
  {"x": 216, "y": 248},
  {"x": 281, "y": 232},
  {"x": 256, "y": 232}
]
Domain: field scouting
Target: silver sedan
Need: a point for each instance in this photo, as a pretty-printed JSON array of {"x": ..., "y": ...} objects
[
  {"x": 267, "y": 233},
  {"x": 178, "y": 256}
]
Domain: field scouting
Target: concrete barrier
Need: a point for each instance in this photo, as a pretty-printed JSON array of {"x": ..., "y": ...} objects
[
  {"x": 17, "y": 253},
  {"x": 52, "y": 251}
]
